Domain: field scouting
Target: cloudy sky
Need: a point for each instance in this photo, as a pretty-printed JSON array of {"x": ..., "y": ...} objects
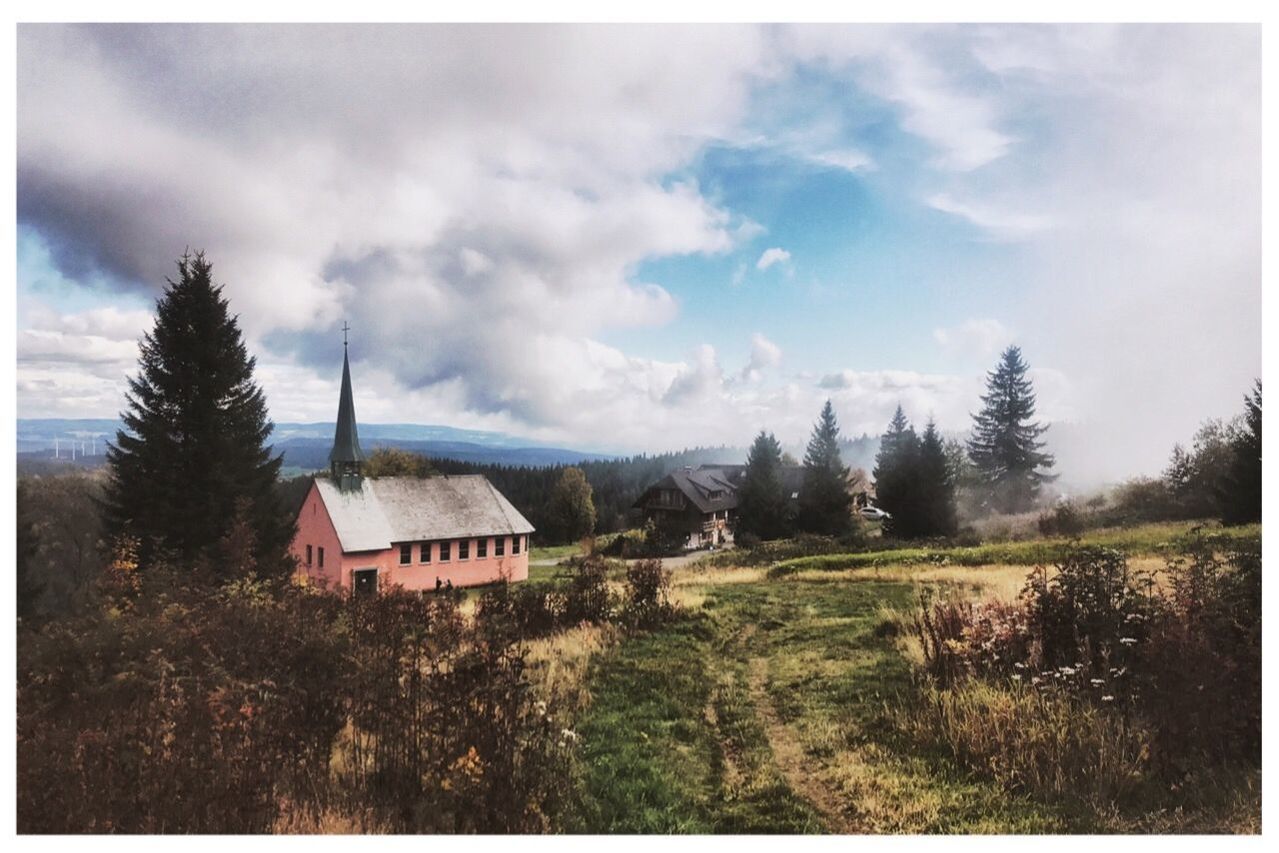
[{"x": 641, "y": 238}]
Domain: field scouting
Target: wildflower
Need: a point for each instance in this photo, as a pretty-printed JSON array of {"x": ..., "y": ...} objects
[
  {"x": 1016, "y": 677},
  {"x": 1097, "y": 682},
  {"x": 1128, "y": 641},
  {"x": 541, "y": 707},
  {"x": 1108, "y": 698},
  {"x": 568, "y": 736},
  {"x": 1034, "y": 679}
]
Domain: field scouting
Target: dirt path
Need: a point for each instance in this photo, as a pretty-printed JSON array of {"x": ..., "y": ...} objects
[{"x": 800, "y": 772}]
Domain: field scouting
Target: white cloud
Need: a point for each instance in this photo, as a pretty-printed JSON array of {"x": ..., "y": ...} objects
[
  {"x": 1001, "y": 224},
  {"x": 771, "y": 257},
  {"x": 849, "y": 159},
  {"x": 980, "y": 338},
  {"x": 764, "y": 355}
]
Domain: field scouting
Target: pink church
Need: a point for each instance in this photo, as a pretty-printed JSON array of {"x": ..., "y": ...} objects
[{"x": 371, "y": 533}]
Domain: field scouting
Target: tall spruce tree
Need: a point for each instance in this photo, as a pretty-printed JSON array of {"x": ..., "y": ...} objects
[
  {"x": 896, "y": 482},
  {"x": 193, "y": 453},
  {"x": 936, "y": 486},
  {"x": 761, "y": 504},
  {"x": 1240, "y": 492},
  {"x": 825, "y": 502},
  {"x": 1005, "y": 446}
]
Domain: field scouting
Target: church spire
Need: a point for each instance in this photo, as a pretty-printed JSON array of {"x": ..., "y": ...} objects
[{"x": 346, "y": 457}]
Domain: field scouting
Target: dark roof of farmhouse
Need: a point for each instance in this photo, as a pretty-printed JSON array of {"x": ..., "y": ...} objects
[
  {"x": 712, "y": 488},
  {"x": 389, "y": 510}
]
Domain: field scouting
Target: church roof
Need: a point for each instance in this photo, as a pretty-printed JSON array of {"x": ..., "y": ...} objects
[
  {"x": 346, "y": 438},
  {"x": 388, "y": 510}
]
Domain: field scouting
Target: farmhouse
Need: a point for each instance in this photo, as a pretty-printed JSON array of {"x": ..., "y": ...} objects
[
  {"x": 701, "y": 503},
  {"x": 364, "y": 533}
]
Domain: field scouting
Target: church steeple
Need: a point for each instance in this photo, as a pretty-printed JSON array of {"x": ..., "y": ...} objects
[{"x": 346, "y": 457}]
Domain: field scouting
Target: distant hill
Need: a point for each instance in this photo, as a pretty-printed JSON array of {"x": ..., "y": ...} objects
[{"x": 62, "y": 441}]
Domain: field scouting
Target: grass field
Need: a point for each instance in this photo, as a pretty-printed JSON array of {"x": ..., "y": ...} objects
[{"x": 770, "y": 707}]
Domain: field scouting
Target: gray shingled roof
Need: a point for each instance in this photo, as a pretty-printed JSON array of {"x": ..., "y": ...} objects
[
  {"x": 700, "y": 483},
  {"x": 388, "y": 510}
]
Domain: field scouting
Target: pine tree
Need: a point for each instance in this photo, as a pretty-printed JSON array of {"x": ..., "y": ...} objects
[
  {"x": 825, "y": 502},
  {"x": 1005, "y": 446},
  {"x": 896, "y": 483},
  {"x": 1240, "y": 492},
  {"x": 936, "y": 486},
  {"x": 194, "y": 437},
  {"x": 761, "y": 504}
]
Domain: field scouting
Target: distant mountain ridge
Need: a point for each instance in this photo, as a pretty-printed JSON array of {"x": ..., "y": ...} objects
[{"x": 306, "y": 445}]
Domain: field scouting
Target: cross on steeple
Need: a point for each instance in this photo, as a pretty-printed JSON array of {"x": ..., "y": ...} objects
[{"x": 345, "y": 329}]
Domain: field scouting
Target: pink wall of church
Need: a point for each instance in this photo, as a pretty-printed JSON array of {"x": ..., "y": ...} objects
[{"x": 315, "y": 528}]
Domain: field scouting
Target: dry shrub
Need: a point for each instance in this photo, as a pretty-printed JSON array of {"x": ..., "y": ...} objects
[
  {"x": 586, "y": 597},
  {"x": 1098, "y": 670},
  {"x": 252, "y": 707},
  {"x": 648, "y": 590},
  {"x": 1041, "y": 742}
]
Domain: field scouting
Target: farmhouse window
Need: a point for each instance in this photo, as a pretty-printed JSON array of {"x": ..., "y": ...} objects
[
  {"x": 464, "y": 549},
  {"x": 320, "y": 557},
  {"x": 515, "y": 544},
  {"x": 499, "y": 546},
  {"x": 481, "y": 549},
  {"x": 406, "y": 554},
  {"x": 308, "y": 555},
  {"x": 426, "y": 552},
  {"x": 445, "y": 547}
]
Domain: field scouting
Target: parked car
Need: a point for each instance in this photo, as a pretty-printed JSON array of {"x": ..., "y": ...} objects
[{"x": 873, "y": 513}]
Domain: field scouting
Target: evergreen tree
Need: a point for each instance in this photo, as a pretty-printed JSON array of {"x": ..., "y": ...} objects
[
  {"x": 825, "y": 502},
  {"x": 761, "y": 504},
  {"x": 194, "y": 443},
  {"x": 1240, "y": 492},
  {"x": 1005, "y": 446},
  {"x": 896, "y": 484},
  {"x": 573, "y": 505},
  {"x": 936, "y": 486}
]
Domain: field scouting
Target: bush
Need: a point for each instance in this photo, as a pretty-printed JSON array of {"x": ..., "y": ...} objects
[
  {"x": 1065, "y": 519},
  {"x": 648, "y": 587},
  {"x": 587, "y": 598},
  {"x": 242, "y": 707},
  {"x": 1179, "y": 667}
]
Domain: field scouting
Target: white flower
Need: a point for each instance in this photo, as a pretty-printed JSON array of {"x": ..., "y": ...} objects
[
  {"x": 1097, "y": 682},
  {"x": 1108, "y": 698},
  {"x": 1128, "y": 641}
]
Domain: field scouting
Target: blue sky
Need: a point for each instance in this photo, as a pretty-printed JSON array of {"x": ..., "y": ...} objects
[{"x": 640, "y": 238}]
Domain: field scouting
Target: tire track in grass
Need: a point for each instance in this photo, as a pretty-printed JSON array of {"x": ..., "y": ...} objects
[{"x": 800, "y": 772}]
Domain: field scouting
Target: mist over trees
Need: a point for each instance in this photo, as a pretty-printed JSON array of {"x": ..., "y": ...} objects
[
  {"x": 1004, "y": 447},
  {"x": 193, "y": 455}
]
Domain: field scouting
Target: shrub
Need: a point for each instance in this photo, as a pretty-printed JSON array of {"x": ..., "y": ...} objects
[
  {"x": 1122, "y": 670},
  {"x": 586, "y": 597},
  {"x": 1065, "y": 519},
  {"x": 233, "y": 708},
  {"x": 648, "y": 587}
]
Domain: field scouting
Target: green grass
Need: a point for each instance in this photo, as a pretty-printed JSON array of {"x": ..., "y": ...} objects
[
  {"x": 1134, "y": 541},
  {"x": 690, "y": 727},
  {"x": 553, "y": 552}
]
